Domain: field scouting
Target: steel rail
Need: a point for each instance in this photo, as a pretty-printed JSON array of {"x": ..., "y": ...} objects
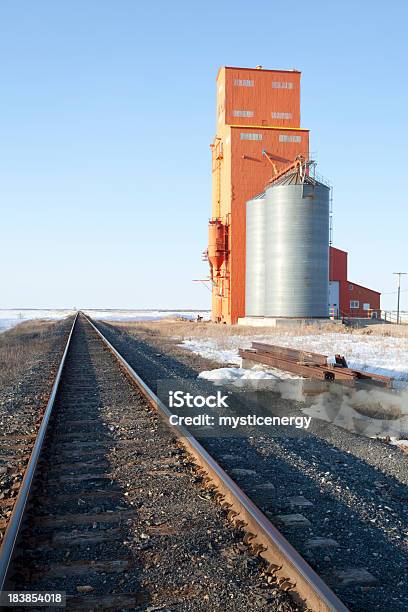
[
  {"x": 13, "y": 526},
  {"x": 310, "y": 365},
  {"x": 288, "y": 564}
]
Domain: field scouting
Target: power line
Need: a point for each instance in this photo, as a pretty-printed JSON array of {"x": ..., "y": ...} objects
[
  {"x": 393, "y": 292},
  {"x": 399, "y": 274}
]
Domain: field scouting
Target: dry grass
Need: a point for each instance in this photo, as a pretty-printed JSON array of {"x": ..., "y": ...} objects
[
  {"x": 182, "y": 329},
  {"x": 395, "y": 331},
  {"x": 20, "y": 347}
]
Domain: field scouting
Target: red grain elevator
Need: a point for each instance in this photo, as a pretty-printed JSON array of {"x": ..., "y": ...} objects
[
  {"x": 258, "y": 134},
  {"x": 258, "y": 131}
]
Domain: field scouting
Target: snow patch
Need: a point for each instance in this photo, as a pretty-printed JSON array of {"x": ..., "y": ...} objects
[
  {"x": 377, "y": 354},
  {"x": 211, "y": 350},
  {"x": 234, "y": 374},
  {"x": 257, "y": 378},
  {"x": 403, "y": 443},
  {"x": 146, "y": 315},
  {"x": 11, "y": 317}
]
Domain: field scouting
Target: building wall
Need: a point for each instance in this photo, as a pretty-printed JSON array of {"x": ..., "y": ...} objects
[
  {"x": 334, "y": 298},
  {"x": 349, "y": 291},
  {"x": 243, "y": 170},
  {"x": 338, "y": 264},
  {"x": 352, "y": 292},
  {"x": 250, "y": 172},
  {"x": 267, "y": 97}
]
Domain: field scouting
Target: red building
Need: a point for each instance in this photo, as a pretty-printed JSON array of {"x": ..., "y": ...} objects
[
  {"x": 347, "y": 298},
  {"x": 258, "y": 133}
]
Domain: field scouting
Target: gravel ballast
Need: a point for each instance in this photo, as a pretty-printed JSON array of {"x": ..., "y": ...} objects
[
  {"x": 34, "y": 349},
  {"x": 123, "y": 511},
  {"x": 350, "y": 491}
]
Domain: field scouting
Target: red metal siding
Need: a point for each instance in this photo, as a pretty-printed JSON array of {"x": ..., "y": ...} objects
[
  {"x": 351, "y": 291},
  {"x": 250, "y": 172},
  {"x": 241, "y": 171},
  {"x": 262, "y": 99},
  {"x": 338, "y": 264}
]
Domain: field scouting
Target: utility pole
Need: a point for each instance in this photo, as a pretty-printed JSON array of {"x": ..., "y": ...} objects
[{"x": 399, "y": 274}]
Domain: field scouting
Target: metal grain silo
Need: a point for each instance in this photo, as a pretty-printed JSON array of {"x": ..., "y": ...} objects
[
  {"x": 297, "y": 247},
  {"x": 255, "y": 257}
]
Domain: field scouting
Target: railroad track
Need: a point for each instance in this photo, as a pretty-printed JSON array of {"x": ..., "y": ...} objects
[
  {"x": 90, "y": 518},
  {"x": 339, "y": 498},
  {"x": 68, "y": 524},
  {"x": 73, "y": 526}
]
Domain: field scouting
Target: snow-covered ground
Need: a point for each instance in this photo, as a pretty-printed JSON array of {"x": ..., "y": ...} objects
[
  {"x": 378, "y": 354},
  {"x": 11, "y": 317},
  {"x": 235, "y": 374},
  {"x": 145, "y": 315},
  {"x": 403, "y": 444},
  {"x": 370, "y": 412}
]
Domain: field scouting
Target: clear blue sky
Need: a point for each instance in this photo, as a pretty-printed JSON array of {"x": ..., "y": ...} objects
[{"x": 107, "y": 112}]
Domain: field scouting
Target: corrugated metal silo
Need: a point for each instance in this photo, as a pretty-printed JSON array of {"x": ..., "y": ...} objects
[
  {"x": 255, "y": 257},
  {"x": 297, "y": 248}
]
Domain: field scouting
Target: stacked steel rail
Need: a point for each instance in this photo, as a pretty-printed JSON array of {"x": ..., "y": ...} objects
[{"x": 310, "y": 365}]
